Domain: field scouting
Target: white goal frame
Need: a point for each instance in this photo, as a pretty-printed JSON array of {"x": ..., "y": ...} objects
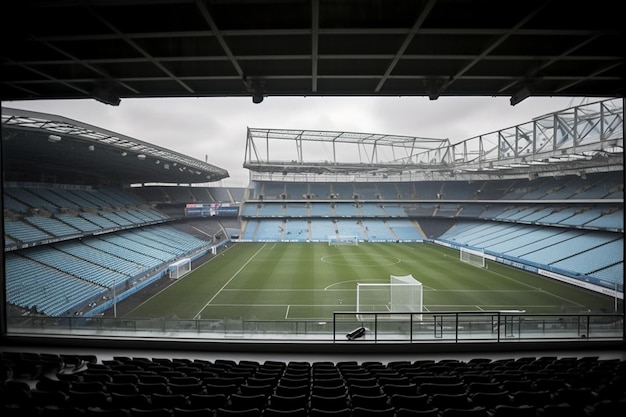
[
  {"x": 180, "y": 268},
  {"x": 472, "y": 256},
  {"x": 403, "y": 294},
  {"x": 337, "y": 240}
]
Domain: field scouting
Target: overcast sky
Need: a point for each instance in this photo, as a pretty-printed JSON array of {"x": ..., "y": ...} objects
[{"x": 216, "y": 127}]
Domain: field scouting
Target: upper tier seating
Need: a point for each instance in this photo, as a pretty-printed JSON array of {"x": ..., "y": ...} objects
[{"x": 37, "y": 215}]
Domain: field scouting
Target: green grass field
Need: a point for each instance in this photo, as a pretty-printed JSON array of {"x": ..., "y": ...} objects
[{"x": 309, "y": 281}]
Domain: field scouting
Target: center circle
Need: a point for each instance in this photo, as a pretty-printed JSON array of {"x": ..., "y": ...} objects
[{"x": 361, "y": 260}]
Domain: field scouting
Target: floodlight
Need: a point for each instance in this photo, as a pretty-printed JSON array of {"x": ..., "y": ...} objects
[
  {"x": 520, "y": 96},
  {"x": 255, "y": 88},
  {"x": 434, "y": 87},
  {"x": 257, "y": 98},
  {"x": 54, "y": 138},
  {"x": 104, "y": 92}
]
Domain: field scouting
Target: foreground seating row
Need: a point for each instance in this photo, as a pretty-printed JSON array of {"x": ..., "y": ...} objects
[{"x": 51, "y": 384}]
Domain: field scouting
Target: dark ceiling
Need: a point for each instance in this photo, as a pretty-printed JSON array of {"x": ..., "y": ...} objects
[{"x": 61, "y": 49}]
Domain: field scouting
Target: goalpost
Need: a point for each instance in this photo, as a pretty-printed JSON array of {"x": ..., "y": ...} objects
[
  {"x": 473, "y": 256},
  {"x": 403, "y": 294},
  {"x": 180, "y": 268},
  {"x": 336, "y": 240}
]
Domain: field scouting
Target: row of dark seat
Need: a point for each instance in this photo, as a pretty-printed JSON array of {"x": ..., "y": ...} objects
[{"x": 51, "y": 385}]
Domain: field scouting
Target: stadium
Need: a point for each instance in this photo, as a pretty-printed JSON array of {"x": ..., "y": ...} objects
[
  {"x": 500, "y": 199},
  {"x": 408, "y": 261}
]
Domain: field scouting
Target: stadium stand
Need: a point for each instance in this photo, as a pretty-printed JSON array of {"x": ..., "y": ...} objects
[
  {"x": 49, "y": 383},
  {"x": 542, "y": 230},
  {"x": 89, "y": 239},
  {"x": 41, "y": 214}
]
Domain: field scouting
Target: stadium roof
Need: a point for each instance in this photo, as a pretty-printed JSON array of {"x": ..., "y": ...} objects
[
  {"x": 38, "y": 146},
  {"x": 586, "y": 138},
  {"x": 117, "y": 49},
  {"x": 347, "y": 152}
]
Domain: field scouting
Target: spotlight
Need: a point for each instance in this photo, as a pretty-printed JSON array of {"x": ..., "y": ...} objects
[
  {"x": 104, "y": 92},
  {"x": 255, "y": 88},
  {"x": 257, "y": 98},
  {"x": 92, "y": 148},
  {"x": 520, "y": 96},
  {"x": 141, "y": 156},
  {"x": 54, "y": 138},
  {"x": 435, "y": 86},
  {"x": 124, "y": 153}
]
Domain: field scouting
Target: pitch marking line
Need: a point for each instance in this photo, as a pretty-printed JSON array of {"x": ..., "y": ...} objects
[
  {"x": 167, "y": 287},
  {"x": 231, "y": 278},
  {"x": 375, "y": 281},
  {"x": 537, "y": 289},
  {"x": 345, "y": 282},
  {"x": 523, "y": 283}
]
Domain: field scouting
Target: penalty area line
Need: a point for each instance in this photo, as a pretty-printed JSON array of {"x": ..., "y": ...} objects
[{"x": 231, "y": 278}]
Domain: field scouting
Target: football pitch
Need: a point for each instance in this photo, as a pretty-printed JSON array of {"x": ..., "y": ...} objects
[{"x": 310, "y": 281}]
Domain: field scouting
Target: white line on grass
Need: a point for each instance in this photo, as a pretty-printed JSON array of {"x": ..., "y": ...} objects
[
  {"x": 505, "y": 291},
  {"x": 281, "y": 305},
  {"x": 490, "y": 306},
  {"x": 286, "y": 289},
  {"x": 327, "y": 288},
  {"x": 523, "y": 283},
  {"x": 231, "y": 278},
  {"x": 287, "y": 312},
  {"x": 167, "y": 287},
  {"x": 536, "y": 288},
  {"x": 345, "y": 282}
]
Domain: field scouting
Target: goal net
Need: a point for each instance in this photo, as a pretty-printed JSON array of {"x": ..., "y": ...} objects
[
  {"x": 342, "y": 240},
  {"x": 403, "y": 294},
  {"x": 473, "y": 257},
  {"x": 180, "y": 268}
]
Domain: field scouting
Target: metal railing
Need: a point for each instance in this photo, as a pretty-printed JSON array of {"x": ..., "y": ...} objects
[
  {"x": 492, "y": 326},
  {"x": 422, "y": 327}
]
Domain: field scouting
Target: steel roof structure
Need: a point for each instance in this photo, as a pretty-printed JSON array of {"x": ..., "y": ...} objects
[
  {"x": 581, "y": 139},
  {"x": 36, "y": 146},
  {"x": 116, "y": 49}
]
